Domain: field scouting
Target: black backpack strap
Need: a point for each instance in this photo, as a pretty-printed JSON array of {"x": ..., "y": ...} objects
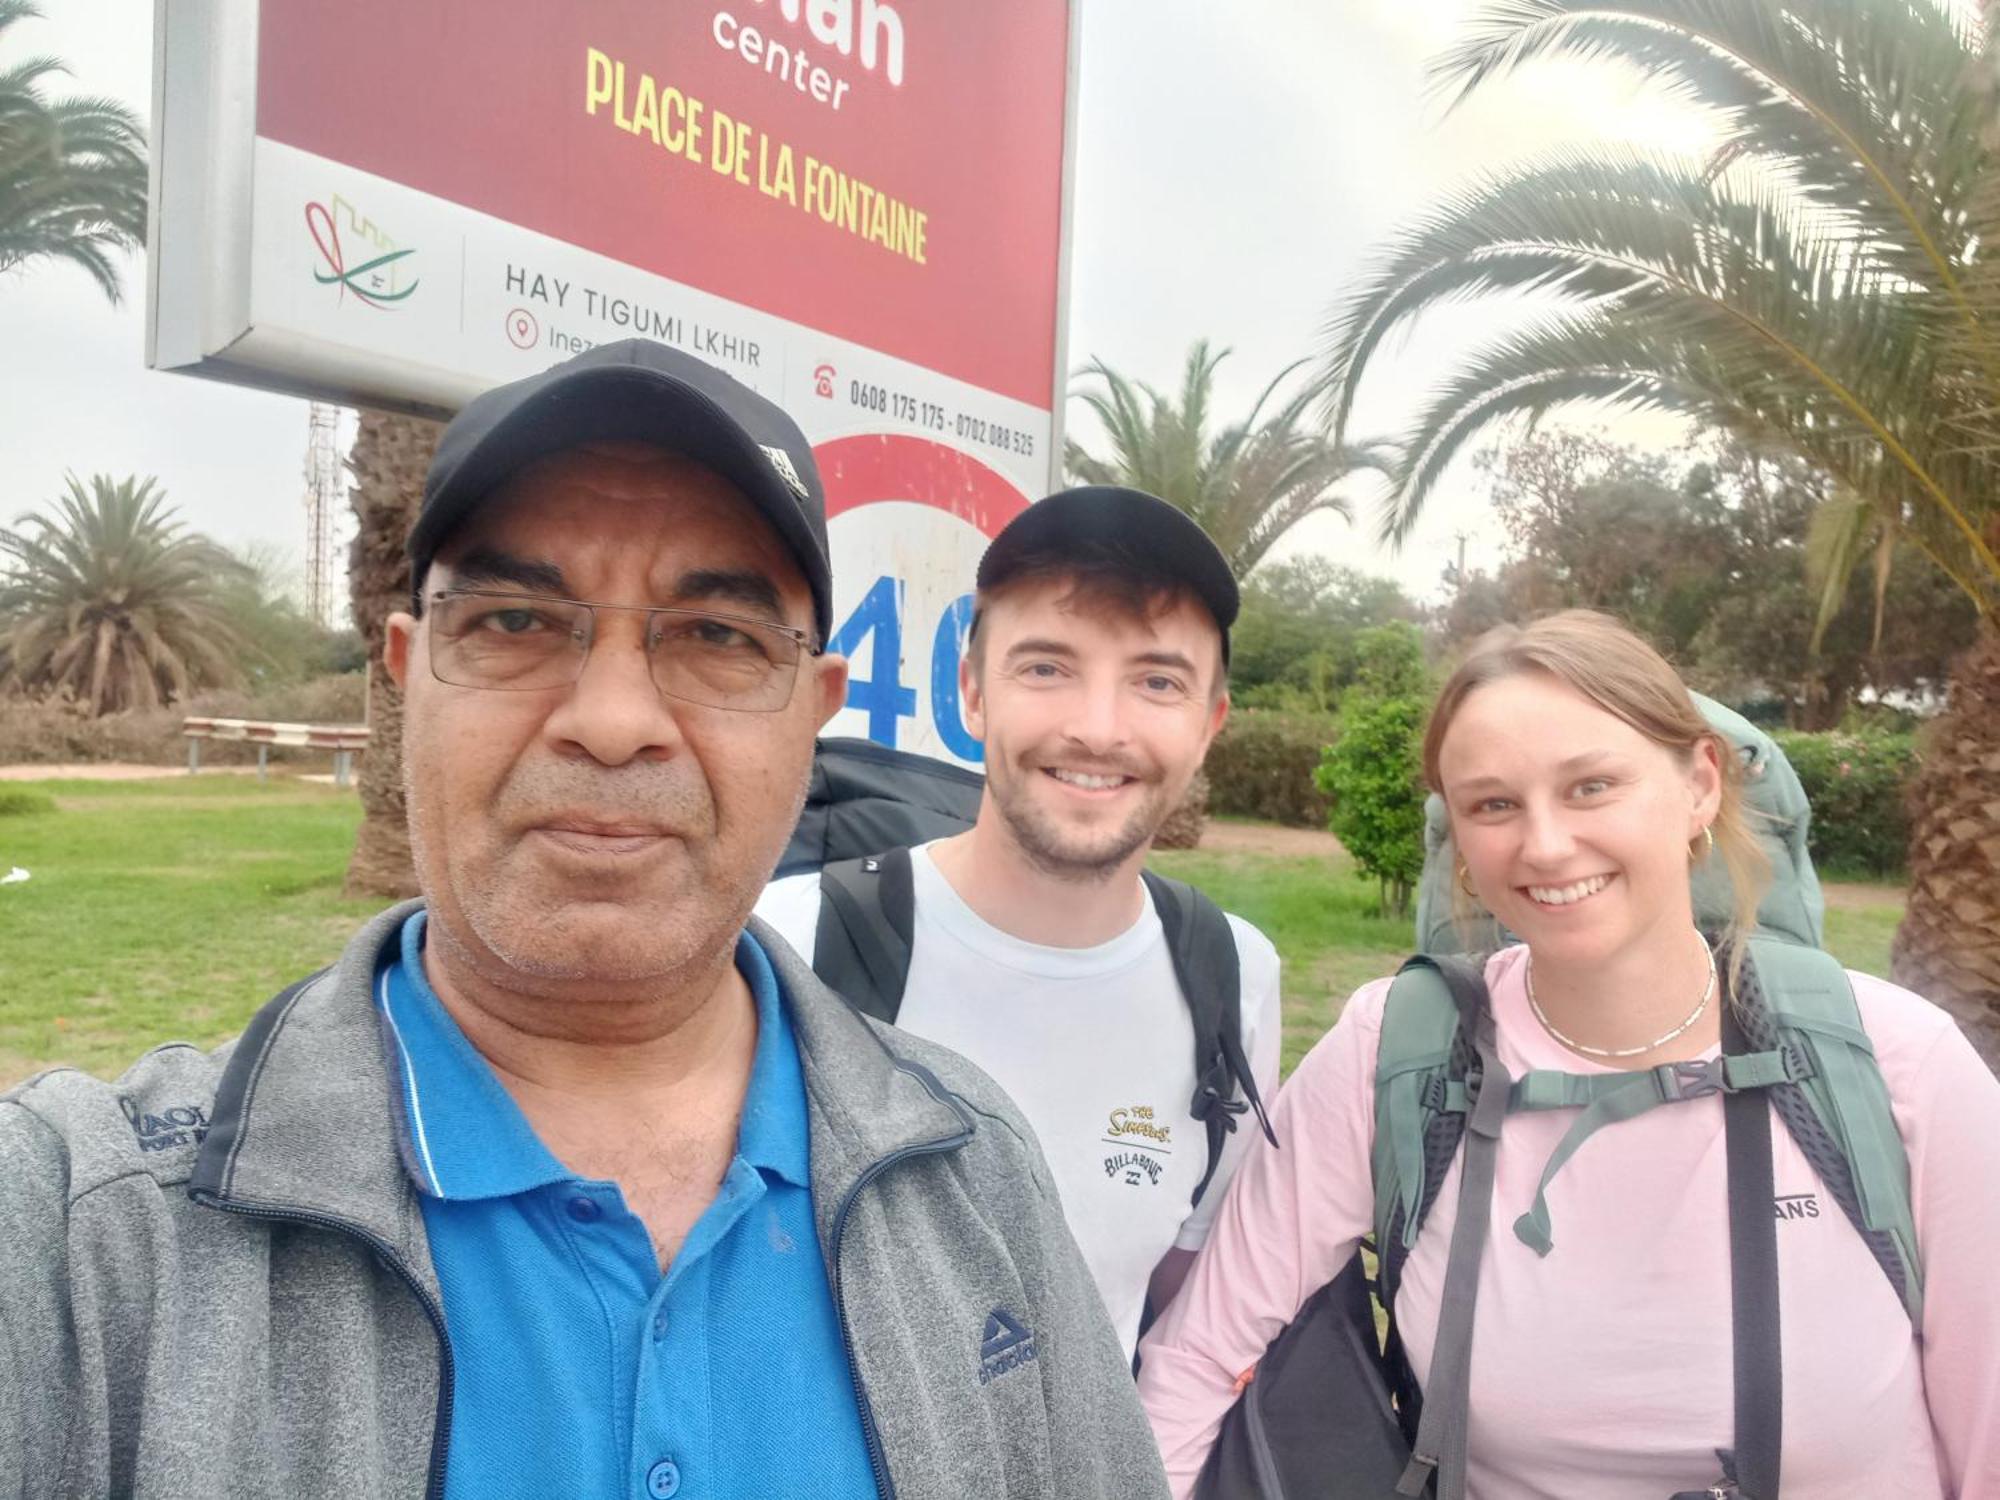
[
  {"x": 1753, "y": 1281},
  {"x": 867, "y": 913},
  {"x": 1211, "y": 980},
  {"x": 1435, "y": 1421},
  {"x": 1439, "y": 1450}
]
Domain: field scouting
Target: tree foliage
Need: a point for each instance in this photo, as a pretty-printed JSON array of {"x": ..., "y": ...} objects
[
  {"x": 1247, "y": 484},
  {"x": 109, "y": 599},
  {"x": 260, "y": 600},
  {"x": 1295, "y": 644},
  {"x": 72, "y": 171},
  {"x": 1711, "y": 557},
  {"x": 1374, "y": 774},
  {"x": 1823, "y": 281}
]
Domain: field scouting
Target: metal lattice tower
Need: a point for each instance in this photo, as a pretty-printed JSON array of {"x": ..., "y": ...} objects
[{"x": 323, "y": 498}]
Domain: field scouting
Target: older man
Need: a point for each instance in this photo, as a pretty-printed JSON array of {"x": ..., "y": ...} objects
[{"x": 561, "y": 1182}]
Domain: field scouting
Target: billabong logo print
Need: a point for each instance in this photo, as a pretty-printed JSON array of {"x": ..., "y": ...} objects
[
  {"x": 1004, "y": 1346},
  {"x": 782, "y": 462},
  {"x": 1135, "y": 1166}
]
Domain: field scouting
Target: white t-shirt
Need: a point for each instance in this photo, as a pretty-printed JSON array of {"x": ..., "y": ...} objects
[{"x": 1096, "y": 1047}]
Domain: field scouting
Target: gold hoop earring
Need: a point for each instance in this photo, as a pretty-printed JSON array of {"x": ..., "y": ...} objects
[
  {"x": 1464, "y": 874},
  {"x": 1699, "y": 850}
]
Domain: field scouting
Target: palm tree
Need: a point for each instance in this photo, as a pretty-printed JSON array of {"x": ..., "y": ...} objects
[
  {"x": 72, "y": 171},
  {"x": 111, "y": 601},
  {"x": 389, "y": 459},
  {"x": 1247, "y": 485},
  {"x": 1823, "y": 281}
]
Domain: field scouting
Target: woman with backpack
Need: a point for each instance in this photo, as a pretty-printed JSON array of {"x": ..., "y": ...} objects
[{"x": 1633, "y": 1331}]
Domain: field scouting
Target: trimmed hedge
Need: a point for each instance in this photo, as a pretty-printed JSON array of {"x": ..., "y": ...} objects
[
  {"x": 1857, "y": 784},
  {"x": 1262, "y": 765}
]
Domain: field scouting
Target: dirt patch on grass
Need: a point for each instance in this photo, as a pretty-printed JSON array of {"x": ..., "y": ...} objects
[
  {"x": 1856, "y": 895},
  {"x": 113, "y": 771},
  {"x": 1266, "y": 838}
]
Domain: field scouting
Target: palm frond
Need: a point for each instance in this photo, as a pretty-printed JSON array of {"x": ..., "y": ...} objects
[{"x": 1246, "y": 484}]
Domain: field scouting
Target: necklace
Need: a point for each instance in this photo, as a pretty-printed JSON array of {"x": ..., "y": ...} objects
[{"x": 1694, "y": 1015}]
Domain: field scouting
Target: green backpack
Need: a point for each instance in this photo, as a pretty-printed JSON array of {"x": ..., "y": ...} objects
[{"x": 1796, "y": 1007}]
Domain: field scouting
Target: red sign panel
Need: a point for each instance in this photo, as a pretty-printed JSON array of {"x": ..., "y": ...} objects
[{"x": 889, "y": 173}]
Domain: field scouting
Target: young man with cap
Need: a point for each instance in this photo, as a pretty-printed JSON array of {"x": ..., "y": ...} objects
[
  {"x": 561, "y": 1181},
  {"x": 1095, "y": 674}
]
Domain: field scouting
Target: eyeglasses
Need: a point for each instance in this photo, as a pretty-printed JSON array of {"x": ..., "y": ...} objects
[{"x": 481, "y": 638}]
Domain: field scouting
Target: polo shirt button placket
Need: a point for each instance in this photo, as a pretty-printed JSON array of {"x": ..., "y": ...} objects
[
  {"x": 663, "y": 1480},
  {"x": 659, "y": 1325},
  {"x": 584, "y": 1209}
]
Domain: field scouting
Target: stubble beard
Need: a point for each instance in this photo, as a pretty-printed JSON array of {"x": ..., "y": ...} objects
[
  {"x": 1061, "y": 854},
  {"x": 547, "y": 943}
]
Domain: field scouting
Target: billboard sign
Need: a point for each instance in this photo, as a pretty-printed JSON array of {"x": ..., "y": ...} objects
[{"x": 857, "y": 207}]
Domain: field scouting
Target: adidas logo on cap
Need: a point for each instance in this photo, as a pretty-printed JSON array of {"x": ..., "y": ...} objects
[{"x": 782, "y": 462}]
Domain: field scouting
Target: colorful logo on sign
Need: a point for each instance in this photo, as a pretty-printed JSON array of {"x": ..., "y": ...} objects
[{"x": 341, "y": 231}]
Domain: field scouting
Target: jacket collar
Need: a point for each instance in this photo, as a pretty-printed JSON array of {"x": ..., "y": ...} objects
[
  {"x": 306, "y": 1120},
  {"x": 867, "y": 1102}
]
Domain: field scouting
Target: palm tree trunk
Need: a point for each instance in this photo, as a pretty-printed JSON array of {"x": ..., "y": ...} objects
[
  {"x": 1948, "y": 947},
  {"x": 390, "y": 456}
]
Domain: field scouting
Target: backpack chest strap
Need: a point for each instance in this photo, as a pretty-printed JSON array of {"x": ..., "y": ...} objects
[
  {"x": 1606, "y": 1098},
  {"x": 1550, "y": 1088}
]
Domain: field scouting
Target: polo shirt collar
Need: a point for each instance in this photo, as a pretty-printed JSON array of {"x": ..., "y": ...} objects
[
  {"x": 773, "y": 1135},
  {"x": 464, "y": 1137}
]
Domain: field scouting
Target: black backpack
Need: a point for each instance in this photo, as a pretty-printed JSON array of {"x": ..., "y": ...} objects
[{"x": 865, "y": 799}]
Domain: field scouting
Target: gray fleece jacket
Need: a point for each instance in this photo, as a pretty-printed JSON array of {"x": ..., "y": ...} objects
[{"x": 214, "y": 1279}]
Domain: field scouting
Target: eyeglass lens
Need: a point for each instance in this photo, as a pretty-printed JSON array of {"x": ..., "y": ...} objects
[{"x": 522, "y": 642}]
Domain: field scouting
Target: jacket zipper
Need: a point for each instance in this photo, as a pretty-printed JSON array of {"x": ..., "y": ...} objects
[
  {"x": 441, "y": 1423},
  {"x": 884, "y": 1486}
]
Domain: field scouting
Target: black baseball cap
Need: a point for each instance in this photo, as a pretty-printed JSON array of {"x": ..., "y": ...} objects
[
  {"x": 633, "y": 390},
  {"x": 1108, "y": 522}
]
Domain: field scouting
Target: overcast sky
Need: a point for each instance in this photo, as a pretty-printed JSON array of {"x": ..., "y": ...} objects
[{"x": 1236, "y": 161}]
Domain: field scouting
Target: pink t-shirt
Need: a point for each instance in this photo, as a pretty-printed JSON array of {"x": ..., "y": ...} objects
[{"x": 1604, "y": 1370}]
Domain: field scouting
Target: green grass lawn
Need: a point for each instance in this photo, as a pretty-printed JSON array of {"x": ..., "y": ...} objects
[
  {"x": 170, "y": 910},
  {"x": 163, "y": 911},
  {"x": 1319, "y": 916}
]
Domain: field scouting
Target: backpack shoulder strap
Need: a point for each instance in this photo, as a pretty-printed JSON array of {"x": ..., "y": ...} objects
[
  {"x": 867, "y": 915},
  {"x": 1211, "y": 979},
  {"x": 1839, "y": 1112},
  {"x": 1425, "y": 1046},
  {"x": 1438, "y": 1452}
]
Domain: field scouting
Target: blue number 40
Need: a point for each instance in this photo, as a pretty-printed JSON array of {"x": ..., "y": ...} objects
[{"x": 881, "y": 695}]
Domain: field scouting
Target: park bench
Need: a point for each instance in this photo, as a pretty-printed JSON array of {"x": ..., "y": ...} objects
[{"x": 344, "y": 740}]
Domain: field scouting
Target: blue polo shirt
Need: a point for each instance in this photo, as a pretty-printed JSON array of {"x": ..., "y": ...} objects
[{"x": 580, "y": 1370}]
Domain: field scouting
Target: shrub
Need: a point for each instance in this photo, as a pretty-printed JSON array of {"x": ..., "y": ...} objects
[
  {"x": 19, "y": 801},
  {"x": 1374, "y": 774},
  {"x": 52, "y": 731},
  {"x": 1262, "y": 765},
  {"x": 1856, "y": 783}
]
